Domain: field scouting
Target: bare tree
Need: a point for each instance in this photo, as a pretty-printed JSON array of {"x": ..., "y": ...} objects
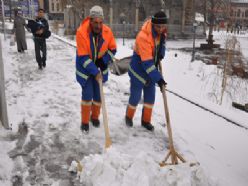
[{"x": 213, "y": 10}]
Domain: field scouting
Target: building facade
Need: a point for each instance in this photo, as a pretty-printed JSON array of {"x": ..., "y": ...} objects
[
  {"x": 239, "y": 12},
  {"x": 53, "y": 8},
  {"x": 56, "y": 10},
  {"x": 126, "y": 17}
]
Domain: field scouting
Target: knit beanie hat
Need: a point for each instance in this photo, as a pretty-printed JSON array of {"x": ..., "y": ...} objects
[
  {"x": 96, "y": 11},
  {"x": 159, "y": 18}
]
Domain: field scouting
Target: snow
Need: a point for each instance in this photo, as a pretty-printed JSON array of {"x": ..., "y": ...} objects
[
  {"x": 6, "y": 165},
  {"x": 115, "y": 168},
  {"x": 200, "y": 87},
  {"x": 49, "y": 103},
  {"x": 199, "y": 17},
  {"x": 65, "y": 40}
]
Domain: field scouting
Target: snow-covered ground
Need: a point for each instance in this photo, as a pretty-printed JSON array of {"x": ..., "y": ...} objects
[{"x": 48, "y": 102}]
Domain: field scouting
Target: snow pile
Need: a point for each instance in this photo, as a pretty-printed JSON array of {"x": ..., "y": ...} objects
[{"x": 115, "y": 168}]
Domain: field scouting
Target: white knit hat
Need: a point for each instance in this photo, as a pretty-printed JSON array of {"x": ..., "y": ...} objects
[{"x": 96, "y": 11}]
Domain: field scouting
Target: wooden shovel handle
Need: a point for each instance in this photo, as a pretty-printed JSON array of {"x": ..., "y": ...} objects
[
  {"x": 108, "y": 142},
  {"x": 167, "y": 115},
  {"x": 116, "y": 66}
]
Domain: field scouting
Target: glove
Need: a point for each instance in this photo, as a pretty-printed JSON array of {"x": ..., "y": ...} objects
[
  {"x": 161, "y": 84},
  {"x": 161, "y": 55},
  {"x": 100, "y": 64},
  {"x": 147, "y": 83}
]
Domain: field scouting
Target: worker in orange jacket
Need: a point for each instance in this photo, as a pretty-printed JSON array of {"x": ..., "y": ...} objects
[
  {"x": 143, "y": 70},
  {"x": 96, "y": 48}
]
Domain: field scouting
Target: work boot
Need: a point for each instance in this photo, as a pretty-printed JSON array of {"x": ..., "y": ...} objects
[
  {"x": 95, "y": 112},
  {"x": 85, "y": 127},
  {"x": 147, "y": 125},
  {"x": 129, "y": 115},
  {"x": 40, "y": 67},
  {"x": 44, "y": 64},
  {"x": 146, "y": 117},
  {"x": 129, "y": 122},
  {"x": 95, "y": 122}
]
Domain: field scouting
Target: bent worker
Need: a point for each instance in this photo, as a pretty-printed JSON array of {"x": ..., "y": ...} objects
[
  {"x": 143, "y": 70},
  {"x": 96, "y": 47}
]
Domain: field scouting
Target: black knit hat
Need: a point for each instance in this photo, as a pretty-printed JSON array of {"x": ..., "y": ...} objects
[{"x": 159, "y": 18}]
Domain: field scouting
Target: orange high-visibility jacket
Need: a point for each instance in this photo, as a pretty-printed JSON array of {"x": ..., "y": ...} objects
[
  {"x": 149, "y": 49},
  {"x": 88, "y": 51}
]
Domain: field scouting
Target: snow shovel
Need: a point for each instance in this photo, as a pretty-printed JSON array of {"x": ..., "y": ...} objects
[
  {"x": 108, "y": 141},
  {"x": 172, "y": 152},
  {"x": 120, "y": 66},
  {"x": 116, "y": 67}
]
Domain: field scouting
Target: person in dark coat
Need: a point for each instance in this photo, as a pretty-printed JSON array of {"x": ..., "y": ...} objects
[
  {"x": 18, "y": 29},
  {"x": 40, "y": 36}
]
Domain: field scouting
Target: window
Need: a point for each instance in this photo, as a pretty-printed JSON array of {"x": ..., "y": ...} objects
[
  {"x": 57, "y": 7},
  {"x": 231, "y": 13},
  {"x": 238, "y": 14},
  {"x": 52, "y": 6},
  {"x": 246, "y": 13}
]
